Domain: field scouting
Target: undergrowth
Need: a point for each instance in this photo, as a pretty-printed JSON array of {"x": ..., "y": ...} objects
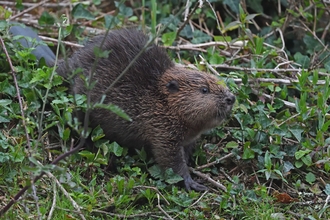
[{"x": 270, "y": 160}]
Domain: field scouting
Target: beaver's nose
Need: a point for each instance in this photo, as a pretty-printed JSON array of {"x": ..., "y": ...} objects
[{"x": 230, "y": 100}]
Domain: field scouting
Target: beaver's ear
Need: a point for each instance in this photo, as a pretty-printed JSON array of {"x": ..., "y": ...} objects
[{"x": 173, "y": 86}]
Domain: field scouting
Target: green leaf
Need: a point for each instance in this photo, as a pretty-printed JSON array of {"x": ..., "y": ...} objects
[
  {"x": 97, "y": 134},
  {"x": 4, "y": 120},
  {"x": 123, "y": 9},
  {"x": 200, "y": 37},
  {"x": 303, "y": 60},
  {"x": 299, "y": 154},
  {"x": 268, "y": 174},
  {"x": 222, "y": 38},
  {"x": 111, "y": 21},
  {"x": 256, "y": 5},
  {"x": 171, "y": 177},
  {"x": 297, "y": 132},
  {"x": 307, "y": 160},
  {"x": 4, "y": 157},
  {"x": 310, "y": 178},
  {"x": 216, "y": 59},
  {"x": 287, "y": 167},
  {"x": 156, "y": 172},
  {"x": 327, "y": 189},
  {"x": 80, "y": 12},
  {"x": 248, "y": 153},
  {"x": 115, "y": 109},
  {"x": 259, "y": 45},
  {"x": 4, "y": 102},
  {"x": 268, "y": 161},
  {"x": 298, "y": 164},
  {"x": 66, "y": 134},
  {"x": 87, "y": 154},
  {"x": 46, "y": 19},
  {"x": 101, "y": 53},
  {"x": 168, "y": 38},
  {"x": 233, "y": 5},
  {"x": 232, "y": 144},
  {"x": 116, "y": 149},
  {"x": 6, "y": 87},
  {"x": 232, "y": 26},
  {"x": 250, "y": 17}
]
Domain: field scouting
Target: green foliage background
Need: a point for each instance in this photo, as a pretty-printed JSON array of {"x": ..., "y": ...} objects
[{"x": 272, "y": 54}]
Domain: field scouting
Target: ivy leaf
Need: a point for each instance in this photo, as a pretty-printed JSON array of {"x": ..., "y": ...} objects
[
  {"x": 156, "y": 172},
  {"x": 110, "y": 21},
  {"x": 116, "y": 149},
  {"x": 171, "y": 177},
  {"x": 303, "y": 60},
  {"x": 46, "y": 19},
  {"x": 97, "y": 134},
  {"x": 4, "y": 102},
  {"x": 200, "y": 37},
  {"x": 233, "y": 5},
  {"x": 287, "y": 167},
  {"x": 257, "y": 6},
  {"x": 80, "y": 12},
  {"x": 296, "y": 133}
]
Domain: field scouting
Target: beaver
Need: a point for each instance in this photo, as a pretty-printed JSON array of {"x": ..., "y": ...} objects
[{"x": 169, "y": 106}]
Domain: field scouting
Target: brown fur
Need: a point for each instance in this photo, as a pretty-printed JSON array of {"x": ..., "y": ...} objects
[{"x": 170, "y": 106}]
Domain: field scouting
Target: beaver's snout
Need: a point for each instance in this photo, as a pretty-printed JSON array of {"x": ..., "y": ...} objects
[{"x": 230, "y": 100}]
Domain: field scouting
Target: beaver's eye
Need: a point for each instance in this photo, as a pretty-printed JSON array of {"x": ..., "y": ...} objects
[{"x": 205, "y": 90}]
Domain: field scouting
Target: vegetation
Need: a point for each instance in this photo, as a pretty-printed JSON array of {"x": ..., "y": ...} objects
[{"x": 270, "y": 160}]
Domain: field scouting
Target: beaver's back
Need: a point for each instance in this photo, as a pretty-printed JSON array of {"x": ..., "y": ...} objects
[{"x": 122, "y": 46}]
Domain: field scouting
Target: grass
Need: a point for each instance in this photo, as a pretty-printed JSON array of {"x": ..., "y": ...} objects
[{"x": 271, "y": 156}]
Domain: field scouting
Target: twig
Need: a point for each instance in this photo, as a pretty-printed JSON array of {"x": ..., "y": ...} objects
[
  {"x": 247, "y": 69},
  {"x": 62, "y": 42},
  {"x": 226, "y": 175},
  {"x": 234, "y": 45},
  {"x": 325, "y": 204},
  {"x": 277, "y": 81},
  {"x": 18, "y": 96},
  {"x": 161, "y": 209},
  {"x": 74, "y": 204},
  {"x": 27, "y": 10},
  {"x": 52, "y": 208},
  {"x": 214, "y": 162},
  {"x": 145, "y": 214},
  {"x": 25, "y": 188},
  {"x": 209, "y": 179},
  {"x": 36, "y": 199},
  {"x": 27, "y": 4},
  {"x": 187, "y": 19},
  {"x": 199, "y": 199},
  {"x": 286, "y": 103}
]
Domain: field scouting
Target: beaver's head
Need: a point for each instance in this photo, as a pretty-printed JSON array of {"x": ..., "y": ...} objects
[{"x": 201, "y": 100}]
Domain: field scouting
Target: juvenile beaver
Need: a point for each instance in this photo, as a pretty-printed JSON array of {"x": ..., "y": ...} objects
[{"x": 170, "y": 106}]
